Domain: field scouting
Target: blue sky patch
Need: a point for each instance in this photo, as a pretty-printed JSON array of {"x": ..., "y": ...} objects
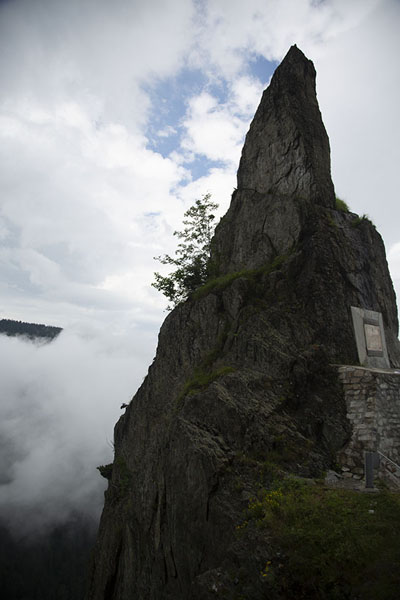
[
  {"x": 200, "y": 166},
  {"x": 262, "y": 68},
  {"x": 169, "y": 98}
]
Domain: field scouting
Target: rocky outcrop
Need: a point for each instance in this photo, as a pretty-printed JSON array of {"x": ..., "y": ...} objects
[
  {"x": 241, "y": 385},
  {"x": 287, "y": 149}
]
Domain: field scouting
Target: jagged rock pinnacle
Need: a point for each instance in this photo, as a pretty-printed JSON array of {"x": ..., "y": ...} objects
[
  {"x": 242, "y": 385},
  {"x": 287, "y": 152}
]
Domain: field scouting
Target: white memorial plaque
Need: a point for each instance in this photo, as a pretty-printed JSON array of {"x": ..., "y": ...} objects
[
  {"x": 369, "y": 332},
  {"x": 373, "y": 337}
]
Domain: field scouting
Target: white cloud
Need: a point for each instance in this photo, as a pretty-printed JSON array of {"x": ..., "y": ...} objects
[
  {"x": 220, "y": 182},
  {"x": 216, "y": 130},
  {"x": 81, "y": 219},
  {"x": 245, "y": 95},
  {"x": 59, "y": 403},
  {"x": 86, "y": 48},
  {"x": 231, "y": 30},
  {"x": 167, "y": 131},
  {"x": 212, "y": 130},
  {"x": 359, "y": 90}
]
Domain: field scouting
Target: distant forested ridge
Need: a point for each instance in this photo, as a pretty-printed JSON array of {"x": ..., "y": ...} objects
[{"x": 30, "y": 330}]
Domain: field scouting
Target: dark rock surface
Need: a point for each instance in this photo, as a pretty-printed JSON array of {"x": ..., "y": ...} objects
[
  {"x": 242, "y": 384},
  {"x": 287, "y": 149}
]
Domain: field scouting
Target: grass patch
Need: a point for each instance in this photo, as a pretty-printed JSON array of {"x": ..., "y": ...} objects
[
  {"x": 203, "y": 379},
  {"x": 357, "y": 221},
  {"x": 341, "y": 205},
  {"x": 218, "y": 284},
  {"x": 330, "y": 544}
]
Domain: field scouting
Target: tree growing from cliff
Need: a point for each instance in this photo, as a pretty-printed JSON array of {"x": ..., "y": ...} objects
[{"x": 192, "y": 255}]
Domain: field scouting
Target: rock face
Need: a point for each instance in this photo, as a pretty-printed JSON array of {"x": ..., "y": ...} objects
[
  {"x": 242, "y": 384},
  {"x": 287, "y": 149}
]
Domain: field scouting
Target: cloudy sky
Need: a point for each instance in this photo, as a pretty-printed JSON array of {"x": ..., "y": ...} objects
[{"x": 114, "y": 118}]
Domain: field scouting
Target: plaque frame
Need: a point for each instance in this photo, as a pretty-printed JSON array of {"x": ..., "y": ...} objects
[{"x": 369, "y": 357}]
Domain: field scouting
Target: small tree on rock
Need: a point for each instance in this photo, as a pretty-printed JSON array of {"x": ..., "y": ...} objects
[{"x": 192, "y": 255}]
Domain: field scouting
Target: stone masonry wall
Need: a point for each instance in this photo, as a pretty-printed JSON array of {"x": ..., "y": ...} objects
[{"x": 373, "y": 408}]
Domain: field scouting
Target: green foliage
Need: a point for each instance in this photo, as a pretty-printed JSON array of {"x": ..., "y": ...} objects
[
  {"x": 357, "y": 221},
  {"x": 105, "y": 470},
  {"x": 192, "y": 255},
  {"x": 218, "y": 284},
  {"x": 342, "y": 205},
  {"x": 202, "y": 379},
  {"x": 332, "y": 543}
]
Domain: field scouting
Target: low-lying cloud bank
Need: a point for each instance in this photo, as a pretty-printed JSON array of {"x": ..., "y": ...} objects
[{"x": 59, "y": 403}]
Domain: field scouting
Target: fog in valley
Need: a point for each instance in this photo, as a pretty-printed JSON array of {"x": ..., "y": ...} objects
[{"x": 60, "y": 401}]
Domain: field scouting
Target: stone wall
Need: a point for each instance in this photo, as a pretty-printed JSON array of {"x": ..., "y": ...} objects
[{"x": 373, "y": 408}]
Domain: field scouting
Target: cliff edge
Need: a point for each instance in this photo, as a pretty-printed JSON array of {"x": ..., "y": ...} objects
[{"x": 242, "y": 383}]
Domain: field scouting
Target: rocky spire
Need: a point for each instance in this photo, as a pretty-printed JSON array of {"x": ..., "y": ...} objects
[
  {"x": 286, "y": 152},
  {"x": 243, "y": 371}
]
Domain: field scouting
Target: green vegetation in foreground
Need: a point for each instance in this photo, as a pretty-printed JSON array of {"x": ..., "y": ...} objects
[
  {"x": 329, "y": 544},
  {"x": 342, "y": 205},
  {"x": 218, "y": 284}
]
